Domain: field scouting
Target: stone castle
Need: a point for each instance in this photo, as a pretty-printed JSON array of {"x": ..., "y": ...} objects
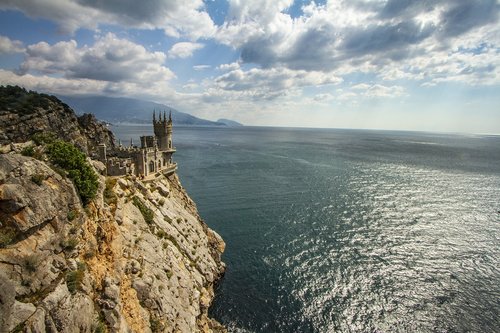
[{"x": 152, "y": 157}]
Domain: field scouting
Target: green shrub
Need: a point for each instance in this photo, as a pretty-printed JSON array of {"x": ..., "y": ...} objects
[
  {"x": 38, "y": 179},
  {"x": 74, "y": 279},
  {"x": 146, "y": 212},
  {"x": 69, "y": 244},
  {"x": 7, "y": 235},
  {"x": 73, "y": 161},
  {"x": 28, "y": 151},
  {"x": 109, "y": 195},
  {"x": 100, "y": 327},
  {"x": 43, "y": 138},
  {"x": 155, "y": 325},
  {"x": 31, "y": 262},
  {"x": 72, "y": 214}
]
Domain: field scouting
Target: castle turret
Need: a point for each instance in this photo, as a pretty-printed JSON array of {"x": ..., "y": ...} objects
[
  {"x": 160, "y": 131},
  {"x": 170, "y": 145}
]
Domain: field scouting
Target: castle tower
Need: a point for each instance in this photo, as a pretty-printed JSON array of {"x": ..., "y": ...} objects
[
  {"x": 170, "y": 145},
  {"x": 160, "y": 130}
]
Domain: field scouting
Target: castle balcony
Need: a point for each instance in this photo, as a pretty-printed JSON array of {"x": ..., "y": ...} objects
[
  {"x": 170, "y": 169},
  {"x": 171, "y": 150}
]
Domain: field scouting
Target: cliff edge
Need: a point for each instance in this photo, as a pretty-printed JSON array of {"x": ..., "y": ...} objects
[{"x": 136, "y": 258}]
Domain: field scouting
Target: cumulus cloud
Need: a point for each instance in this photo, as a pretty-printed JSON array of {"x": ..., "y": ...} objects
[
  {"x": 229, "y": 67},
  {"x": 109, "y": 59},
  {"x": 352, "y": 36},
  {"x": 183, "y": 49},
  {"x": 10, "y": 46},
  {"x": 176, "y": 17},
  {"x": 268, "y": 83},
  {"x": 201, "y": 67}
]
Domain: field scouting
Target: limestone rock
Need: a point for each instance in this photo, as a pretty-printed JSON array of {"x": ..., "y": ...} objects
[
  {"x": 109, "y": 266},
  {"x": 47, "y": 114}
]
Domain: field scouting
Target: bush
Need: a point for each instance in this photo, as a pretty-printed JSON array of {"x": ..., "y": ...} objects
[
  {"x": 72, "y": 214},
  {"x": 31, "y": 262},
  {"x": 109, "y": 195},
  {"x": 70, "y": 244},
  {"x": 100, "y": 327},
  {"x": 28, "y": 151},
  {"x": 7, "y": 236},
  {"x": 38, "y": 179},
  {"x": 43, "y": 138},
  {"x": 145, "y": 211},
  {"x": 73, "y": 161},
  {"x": 74, "y": 279},
  {"x": 155, "y": 325}
]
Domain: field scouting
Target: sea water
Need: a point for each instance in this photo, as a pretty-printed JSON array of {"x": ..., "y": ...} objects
[{"x": 348, "y": 230}]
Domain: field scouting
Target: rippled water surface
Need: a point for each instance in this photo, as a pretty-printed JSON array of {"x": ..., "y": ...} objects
[{"x": 349, "y": 231}]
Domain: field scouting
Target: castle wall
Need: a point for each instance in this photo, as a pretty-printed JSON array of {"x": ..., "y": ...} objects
[{"x": 155, "y": 154}]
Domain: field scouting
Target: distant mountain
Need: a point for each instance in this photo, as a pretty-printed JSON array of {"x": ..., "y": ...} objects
[
  {"x": 130, "y": 110},
  {"x": 230, "y": 123}
]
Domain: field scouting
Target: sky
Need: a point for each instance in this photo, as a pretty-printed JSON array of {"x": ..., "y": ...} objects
[{"x": 428, "y": 65}]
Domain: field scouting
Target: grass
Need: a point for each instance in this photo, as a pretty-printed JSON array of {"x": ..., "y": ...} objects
[
  {"x": 72, "y": 214},
  {"x": 74, "y": 279},
  {"x": 69, "y": 244},
  {"x": 146, "y": 212},
  {"x": 100, "y": 327},
  {"x": 7, "y": 235},
  {"x": 109, "y": 195},
  {"x": 155, "y": 325},
  {"x": 31, "y": 262}
]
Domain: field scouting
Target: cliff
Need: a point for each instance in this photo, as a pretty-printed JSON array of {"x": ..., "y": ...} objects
[
  {"x": 136, "y": 258},
  {"x": 25, "y": 113}
]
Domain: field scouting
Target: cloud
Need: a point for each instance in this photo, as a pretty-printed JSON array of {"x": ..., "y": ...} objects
[
  {"x": 109, "y": 59},
  {"x": 201, "y": 67},
  {"x": 269, "y": 83},
  {"x": 183, "y": 49},
  {"x": 358, "y": 36},
  {"x": 229, "y": 67},
  {"x": 10, "y": 46},
  {"x": 465, "y": 15},
  {"x": 176, "y": 17}
]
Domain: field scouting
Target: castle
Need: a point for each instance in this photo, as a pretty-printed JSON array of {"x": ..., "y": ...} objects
[{"x": 153, "y": 156}]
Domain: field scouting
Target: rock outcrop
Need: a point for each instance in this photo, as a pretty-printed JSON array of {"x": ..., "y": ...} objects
[
  {"x": 136, "y": 259},
  {"x": 23, "y": 114}
]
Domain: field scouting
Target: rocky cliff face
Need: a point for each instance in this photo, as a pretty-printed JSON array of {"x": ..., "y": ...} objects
[
  {"x": 138, "y": 258},
  {"x": 23, "y": 113}
]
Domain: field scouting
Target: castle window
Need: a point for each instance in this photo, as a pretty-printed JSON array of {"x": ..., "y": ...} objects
[{"x": 151, "y": 166}]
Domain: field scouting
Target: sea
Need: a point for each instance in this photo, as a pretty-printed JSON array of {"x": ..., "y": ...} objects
[{"x": 336, "y": 230}]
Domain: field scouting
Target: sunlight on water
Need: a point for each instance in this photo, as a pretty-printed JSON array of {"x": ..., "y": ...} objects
[{"x": 350, "y": 231}]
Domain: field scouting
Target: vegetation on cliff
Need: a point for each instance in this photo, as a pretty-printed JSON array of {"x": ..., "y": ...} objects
[
  {"x": 25, "y": 113},
  {"x": 24, "y": 101},
  {"x": 74, "y": 162}
]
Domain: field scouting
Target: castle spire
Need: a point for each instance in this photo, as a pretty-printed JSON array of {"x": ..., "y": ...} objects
[
  {"x": 170, "y": 116},
  {"x": 154, "y": 115}
]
